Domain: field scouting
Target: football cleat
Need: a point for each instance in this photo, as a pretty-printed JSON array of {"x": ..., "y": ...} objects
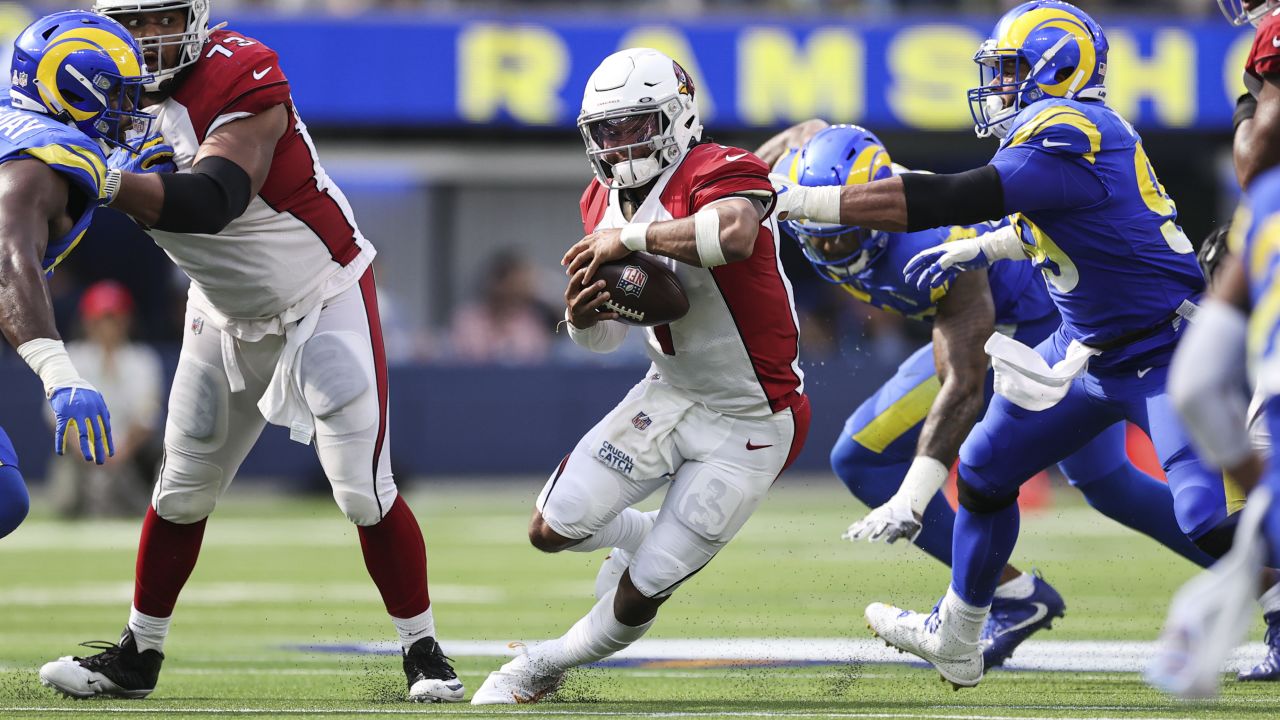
[
  {"x": 1013, "y": 621},
  {"x": 518, "y": 682},
  {"x": 610, "y": 574},
  {"x": 927, "y": 637},
  {"x": 431, "y": 678},
  {"x": 1269, "y": 669},
  {"x": 117, "y": 671}
]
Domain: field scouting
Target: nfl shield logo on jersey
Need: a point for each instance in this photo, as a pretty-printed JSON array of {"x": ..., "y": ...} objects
[
  {"x": 632, "y": 280},
  {"x": 197, "y": 325},
  {"x": 641, "y": 421}
]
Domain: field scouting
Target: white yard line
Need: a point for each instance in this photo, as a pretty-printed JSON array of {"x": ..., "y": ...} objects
[
  {"x": 530, "y": 712},
  {"x": 233, "y": 593}
]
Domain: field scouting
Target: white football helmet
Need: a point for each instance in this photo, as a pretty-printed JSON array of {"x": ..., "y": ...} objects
[
  {"x": 639, "y": 117},
  {"x": 1251, "y": 12},
  {"x": 192, "y": 38}
]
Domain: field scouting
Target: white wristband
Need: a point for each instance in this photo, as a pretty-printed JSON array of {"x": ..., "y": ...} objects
[
  {"x": 111, "y": 185},
  {"x": 1002, "y": 244},
  {"x": 924, "y": 479},
  {"x": 706, "y": 233},
  {"x": 49, "y": 359},
  {"x": 822, "y": 203},
  {"x": 634, "y": 236}
]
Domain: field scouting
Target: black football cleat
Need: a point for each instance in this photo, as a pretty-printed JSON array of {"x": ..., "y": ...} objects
[
  {"x": 431, "y": 677},
  {"x": 118, "y": 671}
]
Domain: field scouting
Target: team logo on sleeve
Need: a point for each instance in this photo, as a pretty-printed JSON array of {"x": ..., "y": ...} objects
[
  {"x": 641, "y": 421},
  {"x": 632, "y": 280}
]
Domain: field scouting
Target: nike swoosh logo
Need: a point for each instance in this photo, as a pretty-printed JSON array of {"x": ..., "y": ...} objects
[
  {"x": 259, "y": 74},
  {"x": 90, "y": 682},
  {"x": 1141, "y": 373},
  {"x": 1051, "y": 143},
  {"x": 1037, "y": 616},
  {"x": 652, "y": 84},
  {"x": 731, "y": 158},
  {"x": 756, "y": 447}
]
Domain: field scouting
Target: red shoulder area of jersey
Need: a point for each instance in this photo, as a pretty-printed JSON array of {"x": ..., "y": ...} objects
[
  {"x": 711, "y": 172},
  {"x": 1264, "y": 56},
  {"x": 235, "y": 74},
  {"x": 594, "y": 204}
]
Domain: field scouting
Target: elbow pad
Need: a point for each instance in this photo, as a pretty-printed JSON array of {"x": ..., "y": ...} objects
[
  {"x": 1206, "y": 383},
  {"x": 206, "y": 200},
  {"x": 958, "y": 199}
]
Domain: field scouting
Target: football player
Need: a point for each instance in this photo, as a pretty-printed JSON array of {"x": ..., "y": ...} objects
[
  {"x": 905, "y": 437},
  {"x": 1119, "y": 269},
  {"x": 721, "y": 413},
  {"x": 76, "y": 79},
  {"x": 282, "y": 327}
]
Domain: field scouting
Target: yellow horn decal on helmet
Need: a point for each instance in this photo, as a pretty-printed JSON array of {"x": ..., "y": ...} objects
[
  {"x": 1015, "y": 36},
  {"x": 793, "y": 172},
  {"x": 94, "y": 39},
  {"x": 867, "y": 164}
]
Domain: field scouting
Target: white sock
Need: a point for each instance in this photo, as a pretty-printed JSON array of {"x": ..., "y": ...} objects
[
  {"x": 625, "y": 531},
  {"x": 415, "y": 628},
  {"x": 1270, "y": 600},
  {"x": 965, "y": 621},
  {"x": 148, "y": 631},
  {"x": 1018, "y": 588},
  {"x": 595, "y": 637}
]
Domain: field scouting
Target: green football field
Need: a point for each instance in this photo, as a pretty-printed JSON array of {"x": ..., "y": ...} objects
[{"x": 281, "y": 583}]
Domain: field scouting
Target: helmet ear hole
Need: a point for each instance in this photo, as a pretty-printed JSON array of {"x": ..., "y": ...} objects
[{"x": 1063, "y": 74}]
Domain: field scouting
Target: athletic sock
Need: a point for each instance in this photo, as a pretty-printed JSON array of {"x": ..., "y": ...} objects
[
  {"x": 963, "y": 620},
  {"x": 167, "y": 554},
  {"x": 625, "y": 531},
  {"x": 981, "y": 548},
  {"x": 1139, "y": 501},
  {"x": 396, "y": 557},
  {"x": 149, "y": 631},
  {"x": 595, "y": 637},
  {"x": 1270, "y": 600},
  {"x": 413, "y": 629},
  {"x": 1019, "y": 588}
]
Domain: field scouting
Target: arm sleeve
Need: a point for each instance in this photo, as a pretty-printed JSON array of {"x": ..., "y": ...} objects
[
  {"x": 1034, "y": 179},
  {"x": 603, "y": 337},
  {"x": 205, "y": 200}
]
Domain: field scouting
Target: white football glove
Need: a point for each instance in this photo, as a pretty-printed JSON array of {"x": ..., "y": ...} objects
[{"x": 891, "y": 522}]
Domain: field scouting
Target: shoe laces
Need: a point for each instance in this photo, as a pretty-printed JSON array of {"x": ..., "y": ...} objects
[
  {"x": 433, "y": 662},
  {"x": 934, "y": 620},
  {"x": 110, "y": 652}
]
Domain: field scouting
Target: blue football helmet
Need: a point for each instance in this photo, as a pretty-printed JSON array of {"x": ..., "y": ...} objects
[
  {"x": 837, "y": 155},
  {"x": 1041, "y": 49},
  {"x": 85, "y": 70}
]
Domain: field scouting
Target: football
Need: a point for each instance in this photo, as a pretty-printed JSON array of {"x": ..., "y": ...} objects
[{"x": 643, "y": 291}]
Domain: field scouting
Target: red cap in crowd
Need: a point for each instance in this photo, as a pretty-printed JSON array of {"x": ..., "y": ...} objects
[{"x": 103, "y": 298}]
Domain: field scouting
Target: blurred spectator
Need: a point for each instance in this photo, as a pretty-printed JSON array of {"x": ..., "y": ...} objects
[
  {"x": 129, "y": 376},
  {"x": 508, "y": 324}
]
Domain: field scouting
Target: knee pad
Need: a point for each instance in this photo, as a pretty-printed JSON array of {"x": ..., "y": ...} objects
[
  {"x": 1216, "y": 541},
  {"x": 977, "y": 501},
  {"x": 14, "y": 500},
  {"x": 360, "y": 508},
  {"x": 710, "y": 506},
  {"x": 198, "y": 402},
  {"x": 335, "y": 370},
  {"x": 187, "y": 490}
]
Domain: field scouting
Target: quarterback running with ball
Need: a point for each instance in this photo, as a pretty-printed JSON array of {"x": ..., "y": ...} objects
[{"x": 721, "y": 412}]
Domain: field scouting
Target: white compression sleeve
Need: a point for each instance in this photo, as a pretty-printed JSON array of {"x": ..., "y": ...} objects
[
  {"x": 603, "y": 337},
  {"x": 706, "y": 233},
  {"x": 49, "y": 359},
  {"x": 924, "y": 478},
  {"x": 1206, "y": 382}
]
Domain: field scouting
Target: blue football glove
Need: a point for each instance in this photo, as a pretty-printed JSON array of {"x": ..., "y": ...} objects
[
  {"x": 80, "y": 410},
  {"x": 154, "y": 156}
]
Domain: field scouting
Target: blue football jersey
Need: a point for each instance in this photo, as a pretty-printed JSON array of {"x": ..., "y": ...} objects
[
  {"x": 25, "y": 134},
  {"x": 1017, "y": 291},
  {"x": 1255, "y": 236},
  {"x": 1115, "y": 259}
]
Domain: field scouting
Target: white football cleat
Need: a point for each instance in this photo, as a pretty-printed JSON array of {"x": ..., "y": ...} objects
[
  {"x": 517, "y": 683},
  {"x": 615, "y": 563},
  {"x": 927, "y": 637}
]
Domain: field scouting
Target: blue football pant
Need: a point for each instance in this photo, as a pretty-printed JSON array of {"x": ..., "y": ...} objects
[
  {"x": 1010, "y": 443},
  {"x": 14, "y": 501}
]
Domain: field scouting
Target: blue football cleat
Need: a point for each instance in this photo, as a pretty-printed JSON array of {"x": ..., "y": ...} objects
[
  {"x": 1269, "y": 668},
  {"x": 1013, "y": 621}
]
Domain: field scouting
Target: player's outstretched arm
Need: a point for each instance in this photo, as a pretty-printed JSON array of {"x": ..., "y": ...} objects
[
  {"x": 724, "y": 231},
  {"x": 230, "y": 168},
  {"x": 1256, "y": 145},
  {"x": 33, "y": 200},
  {"x": 793, "y": 137},
  {"x": 966, "y": 318}
]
